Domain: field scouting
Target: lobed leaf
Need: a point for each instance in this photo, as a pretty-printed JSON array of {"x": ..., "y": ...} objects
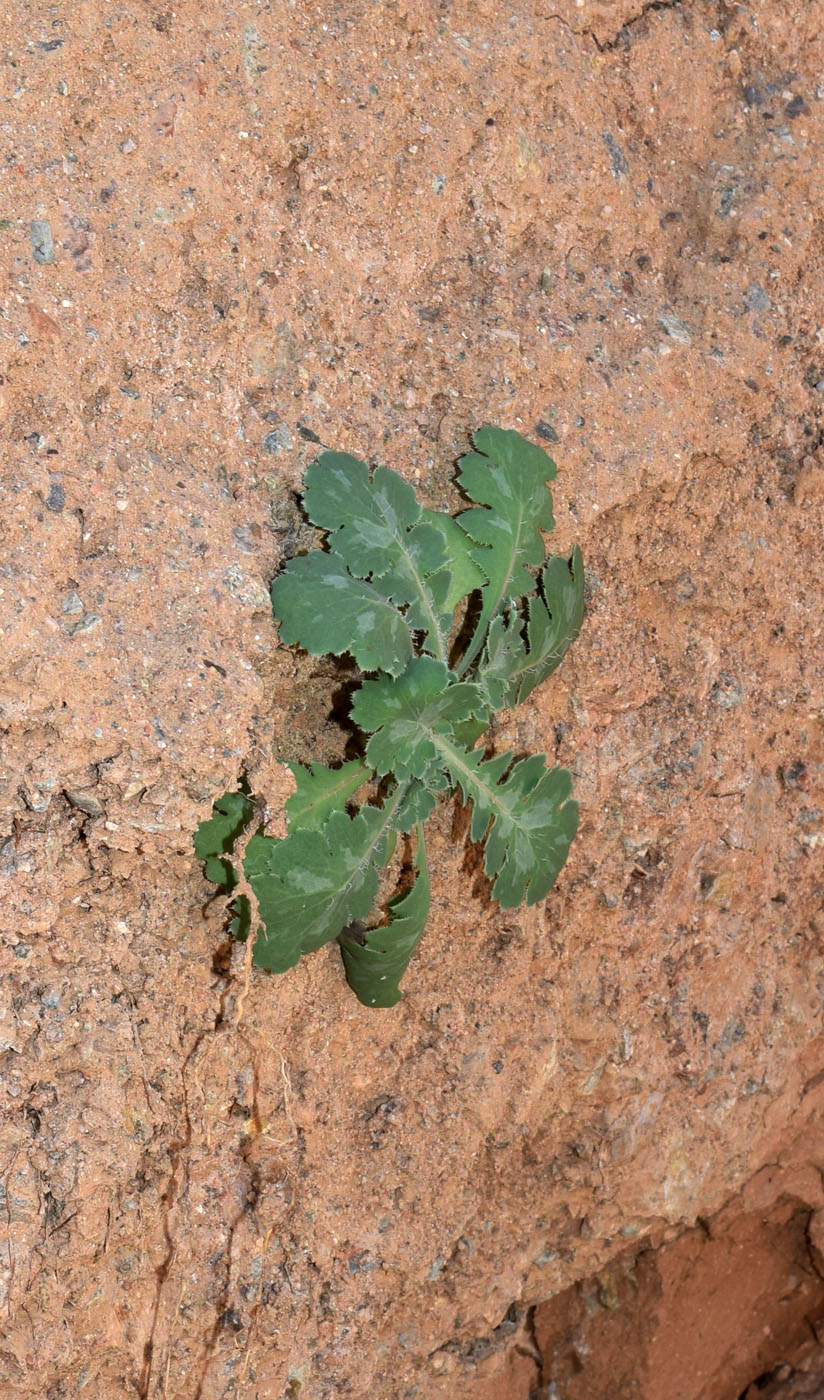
[
  {"x": 322, "y": 791},
  {"x": 376, "y": 963},
  {"x": 464, "y": 575},
  {"x": 532, "y": 822},
  {"x": 507, "y": 475},
  {"x": 521, "y": 653},
  {"x": 379, "y": 530},
  {"x": 215, "y": 837},
  {"x": 403, "y": 715},
  {"x": 327, "y": 611},
  {"x": 417, "y": 803},
  {"x": 314, "y": 882}
]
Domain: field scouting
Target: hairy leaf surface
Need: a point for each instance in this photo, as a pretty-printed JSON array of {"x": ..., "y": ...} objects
[
  {"x": 322, "y": 791},
  {"x": 417, "y": 803},
  {"x": 521, "y": 654},
  {"x": 403, "y": 715},
  {"x": 532, "y": 822},
  {"x": 375, "y": 966},
  {"x": 379, "y": 529},
  {"x": 324, "y": 609},
  {"x": 463, "y": 574},
  {"x": 313, "y": 883},
  {"x": 507, "y": 475}
]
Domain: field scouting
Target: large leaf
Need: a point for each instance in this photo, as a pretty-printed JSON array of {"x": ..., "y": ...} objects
[
  {"x": 313, "y": 883},
  {"x": 215, "y": 837},
  {"x": 532, "y": 822},
  {"x": 375, "y": 966},
  {"x": 521, "y": 653},
  {"x": 507, "y": 476},
  {"x": 404, "y": 714},
  {"x": 324, "y": 609},
  {"x": 322, "y": 791},
  {"x": 379, "y": 531}
]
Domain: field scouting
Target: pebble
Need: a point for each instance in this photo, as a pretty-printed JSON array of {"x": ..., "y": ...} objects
[
  {"x": 56, "y": 498},
  {"x": 279, "y": 440},
  {"x": 756, "y": 298},
  {"x": 72, "y": 603},
  {"x": 617, "y": 159},
  {"x": 675, "y": 328},
  {"x": 42, "y": 242},
  {"x": 84, "y": 802},
  {"x": 726, "y": 692},
  {"x": 545, "y": 431},
  {"x": 84, "y": 625}
]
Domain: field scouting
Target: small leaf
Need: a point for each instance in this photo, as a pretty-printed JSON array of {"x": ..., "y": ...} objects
[
  {"x": 380, "y": 534},
  {"x": 520, "y": 655},
  {"x": 325, "y": 610},
  {"x": 508, "y": 476},
  {"x": 321, "y": 791},
  {"x": 403, "y": 714},
  {"x": 464, "y": 576},
  {"x": 215, "y": 837},
  {"x": 313, "y": 883},
  {"x": 375, "y": 966},
  {"x": 532, "y": 823}
]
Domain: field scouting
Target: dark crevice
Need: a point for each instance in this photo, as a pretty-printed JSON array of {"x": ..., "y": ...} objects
[
  {"x": 535, "y": 1353},
  {"x": 624, "y": 34}
]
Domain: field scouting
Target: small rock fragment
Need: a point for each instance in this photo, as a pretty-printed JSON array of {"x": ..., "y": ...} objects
[
  {"x": 42, "y": 242},
  {"x": 56, "y": 498},
  {"x": 84, "y": 625},
  {"x": 756, "y": 298},
  {"x": 279, "y": 440},
  {"x": 675, "y": 327},
  {"x": 617, "y": 159},
  {"x": 84, "y": 802}
]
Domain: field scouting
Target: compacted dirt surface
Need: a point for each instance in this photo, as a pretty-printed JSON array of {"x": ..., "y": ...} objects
[{"x": 583, "y": 1157}]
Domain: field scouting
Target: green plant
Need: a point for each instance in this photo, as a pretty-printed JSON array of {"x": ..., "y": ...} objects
[{"x": 451, "y": 618}]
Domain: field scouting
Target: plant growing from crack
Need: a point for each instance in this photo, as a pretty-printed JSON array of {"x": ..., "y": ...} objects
[{"x": 449, "y": 618}]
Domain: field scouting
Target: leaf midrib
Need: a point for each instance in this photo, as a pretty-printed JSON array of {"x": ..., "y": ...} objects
[
  {"x": 488, "y": 613},
  {"x": 400, "y": 537},
  {"x": 363, "y": 865}
]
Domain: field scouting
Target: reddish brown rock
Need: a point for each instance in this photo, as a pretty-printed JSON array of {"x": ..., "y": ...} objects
[{"x": 377, "y": 227}]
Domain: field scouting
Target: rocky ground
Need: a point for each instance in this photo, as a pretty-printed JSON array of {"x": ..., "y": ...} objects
[{"x": 229, "y": 234}]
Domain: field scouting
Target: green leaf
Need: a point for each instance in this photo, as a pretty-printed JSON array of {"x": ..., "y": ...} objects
[
  {"x": 521, "y": 654},
  {"x": 321, "y": 791},
  {"x": 313, "y": 883},
  {"x": 375, "y": 966},
  {"x": 215, "y": 838},
  {"x": 417, "y": 804},
  {"x": 325, "y": 610},
  {"x": 508, "y": 476},
  {"x": 402, "y": 716},
  {"x": 532, "y": 823},
  {"x": 378, "y": 530},
  {"x": 464, "y": 574}
]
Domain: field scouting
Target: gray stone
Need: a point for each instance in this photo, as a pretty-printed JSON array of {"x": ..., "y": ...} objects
[
  {"x": 756, "y": 298},
  {"x": 675, "y": 327},
  {"x": 42, "y": 243},
  {"x": 84, "y": 802},
  {"x": 279, "y": 440}
]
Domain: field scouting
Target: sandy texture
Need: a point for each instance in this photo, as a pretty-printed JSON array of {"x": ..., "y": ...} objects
[{"x": 228, "y": 233}]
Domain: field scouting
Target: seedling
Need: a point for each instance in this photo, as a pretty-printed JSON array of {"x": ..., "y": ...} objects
[{"x": 448, "y": 619}]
